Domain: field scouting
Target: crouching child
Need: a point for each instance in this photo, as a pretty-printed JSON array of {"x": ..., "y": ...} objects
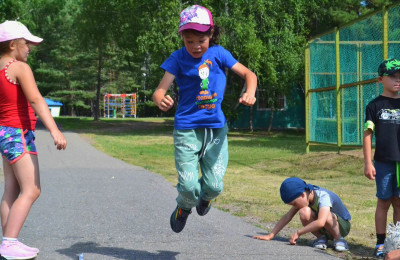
[{"x": 321, "y": 212}]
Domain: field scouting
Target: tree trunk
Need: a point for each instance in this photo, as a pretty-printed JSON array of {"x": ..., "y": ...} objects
[
  {"x": 97, "y": 103},
  {"x": 251, "y": 119},
  {"x": 73, "y": 111},
  {"x": 175, "y": 95},
  {"x": 73, "y": 106},
  {"x": 271, "y": 119}
]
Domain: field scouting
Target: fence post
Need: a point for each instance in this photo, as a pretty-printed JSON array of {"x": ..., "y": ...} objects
[
  {"x": 338, "y": 108},
  {"x": 307, "y": 97},
  {"x": 385, "y": 32}
]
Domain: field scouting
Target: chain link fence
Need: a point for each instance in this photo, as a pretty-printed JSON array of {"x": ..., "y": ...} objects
[{"x": 341, "y": 76}]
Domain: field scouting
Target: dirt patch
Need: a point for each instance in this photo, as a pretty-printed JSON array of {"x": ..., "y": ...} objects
[
  {"x": 355, "y": 153},
  {"x": 87, "y": 139}
]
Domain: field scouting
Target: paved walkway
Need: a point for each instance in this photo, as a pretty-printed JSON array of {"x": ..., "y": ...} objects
[{"x": 104, "y": 208}]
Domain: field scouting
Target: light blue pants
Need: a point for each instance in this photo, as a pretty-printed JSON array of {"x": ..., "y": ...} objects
[{"x": 205, "y": 147}]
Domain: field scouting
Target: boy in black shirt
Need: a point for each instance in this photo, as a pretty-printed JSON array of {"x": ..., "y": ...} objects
[{"x": 383, "y": 118}]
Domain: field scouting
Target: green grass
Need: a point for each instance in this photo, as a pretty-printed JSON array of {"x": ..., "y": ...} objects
[{"x": 258, "y": 163}]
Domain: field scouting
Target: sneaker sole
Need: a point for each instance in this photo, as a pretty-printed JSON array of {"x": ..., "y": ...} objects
[
  {"x": 19, "y": 257},
  {"x": 321, "y": 247}
]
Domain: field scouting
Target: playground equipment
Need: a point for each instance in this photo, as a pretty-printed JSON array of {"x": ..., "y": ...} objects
[
  {"x": 119, "y": 104},
  {"x": 341, "y": 76}
]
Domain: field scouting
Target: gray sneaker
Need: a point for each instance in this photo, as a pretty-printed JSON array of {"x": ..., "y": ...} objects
[
  {"x": 340, "y": 245},
  {"x": 321, "y": 242}
]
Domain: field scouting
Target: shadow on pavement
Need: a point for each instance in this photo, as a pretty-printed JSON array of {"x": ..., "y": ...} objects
[{"x": 120, "y": 253}]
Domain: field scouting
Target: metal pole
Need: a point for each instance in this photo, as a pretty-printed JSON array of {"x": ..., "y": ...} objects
[
  {"x": 338, "y": 99},
  {"x": 307, "y": 97},
  {"x": 385, "y": 32}
]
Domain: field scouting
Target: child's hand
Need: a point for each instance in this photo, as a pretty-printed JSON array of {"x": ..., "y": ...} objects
[
  {"x": 293, "y": 238},
  {"x": 266, "y": 237},
  {"x": 247, "y": 100},
  {"x": 59, "y": 140},
  {"x": 166, "y": 103},
  {"x": 369, "y": 171}
]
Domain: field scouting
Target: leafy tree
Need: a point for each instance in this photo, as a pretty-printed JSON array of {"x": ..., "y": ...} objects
[
  {"x": 92, "y": 47},
  {"x": 60, "y": 72},
  {"x": 109, "y": 31},
  {"x": 12, "y": 10},
  {"x": 158, "y": 37},
  {"x": 95, "y": 24}
]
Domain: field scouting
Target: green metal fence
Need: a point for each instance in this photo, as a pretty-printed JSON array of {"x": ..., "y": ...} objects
[{"x": 341, "y": 76}]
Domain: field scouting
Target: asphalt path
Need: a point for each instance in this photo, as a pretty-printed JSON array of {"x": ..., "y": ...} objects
[{"x": 104, "y": 208}]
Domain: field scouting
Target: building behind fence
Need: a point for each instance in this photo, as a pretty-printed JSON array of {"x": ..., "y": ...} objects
[{"x": 341, "y": 76}]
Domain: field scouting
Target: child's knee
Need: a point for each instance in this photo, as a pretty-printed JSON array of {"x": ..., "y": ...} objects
[
  {"x": 32, "y": 194},
  {"x": 188, "y": 186},
  {"x": 187, "y": 181},
  {"x": 396, "y": 203},
  {"x": 383, "y": 204},
  {"x": 212, "y": 190},
  {"x": 305, "y": 214},
  {"x": 332, "y": 221},
  {"x": 35, "y": 193}
]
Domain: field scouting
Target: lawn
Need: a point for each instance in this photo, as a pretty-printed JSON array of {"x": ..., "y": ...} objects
[{"x": 259, "y": 162}]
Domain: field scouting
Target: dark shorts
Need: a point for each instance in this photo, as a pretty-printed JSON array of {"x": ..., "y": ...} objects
[
  {"x": 15, "y": 142},
  {"x": 386, "y": 181},
  {"x": 344, "y": 228}
]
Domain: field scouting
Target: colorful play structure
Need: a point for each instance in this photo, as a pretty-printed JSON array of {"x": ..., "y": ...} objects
[{"x": 119, "y": 105}]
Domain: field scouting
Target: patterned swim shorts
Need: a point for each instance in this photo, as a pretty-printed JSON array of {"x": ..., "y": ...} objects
[{"x": 15, "y": 142}]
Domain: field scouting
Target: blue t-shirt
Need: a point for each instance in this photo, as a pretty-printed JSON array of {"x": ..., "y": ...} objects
[
  {"x": 327, "y": 198},
  {"x": 201, "y": 83}
]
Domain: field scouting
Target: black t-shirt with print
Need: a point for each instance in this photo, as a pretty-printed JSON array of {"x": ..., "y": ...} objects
[{"x": 384, "y": 112}]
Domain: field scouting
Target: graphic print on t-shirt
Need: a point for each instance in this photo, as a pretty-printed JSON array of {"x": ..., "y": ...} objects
[
  {"x": 389, "y": 116},
  {"x": 205, "y": 99}
]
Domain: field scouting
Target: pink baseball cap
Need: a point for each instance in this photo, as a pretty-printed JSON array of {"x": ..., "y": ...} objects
[
  {"x": 197, "y": 18},
  {"x": 11, "y": 30}
]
